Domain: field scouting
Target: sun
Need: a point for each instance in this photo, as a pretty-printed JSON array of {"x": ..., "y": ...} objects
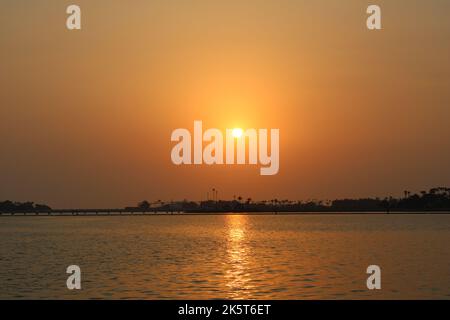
[{"x": 237, "y": 132}]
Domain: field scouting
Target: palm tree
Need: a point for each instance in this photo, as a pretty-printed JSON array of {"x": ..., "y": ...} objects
[{"x": 407, "y": 193}]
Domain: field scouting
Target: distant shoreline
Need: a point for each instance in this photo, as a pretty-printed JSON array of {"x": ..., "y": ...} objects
[
  {"x": 113, "y": 213},
  {"x": 435, "y": 200}
]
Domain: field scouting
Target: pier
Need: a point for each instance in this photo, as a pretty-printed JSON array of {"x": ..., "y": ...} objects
[{"x": 90, "y": 212}]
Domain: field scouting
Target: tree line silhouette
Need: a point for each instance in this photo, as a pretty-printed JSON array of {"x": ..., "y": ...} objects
[
  {"x": 435, "y": 199},
  {"x": 9, "y": 206}
]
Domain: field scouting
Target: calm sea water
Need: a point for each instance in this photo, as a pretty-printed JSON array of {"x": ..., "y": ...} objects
[{"x": 234, "y": 256}]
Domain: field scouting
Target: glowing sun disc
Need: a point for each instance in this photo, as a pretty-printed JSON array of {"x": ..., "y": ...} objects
[{"x": 237, "y": 132}]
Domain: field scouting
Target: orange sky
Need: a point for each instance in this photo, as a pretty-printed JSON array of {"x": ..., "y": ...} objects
[{"x": 87, "y": 115}]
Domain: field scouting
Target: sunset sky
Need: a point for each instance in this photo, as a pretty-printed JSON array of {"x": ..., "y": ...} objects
[{"x": 86, "y": 116}]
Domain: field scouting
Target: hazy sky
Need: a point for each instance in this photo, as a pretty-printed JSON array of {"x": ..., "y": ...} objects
[{"x": 86, "y": 116}]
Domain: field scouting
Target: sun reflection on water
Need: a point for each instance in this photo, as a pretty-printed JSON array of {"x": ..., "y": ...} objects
[{"x": 238, "y": 257}]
